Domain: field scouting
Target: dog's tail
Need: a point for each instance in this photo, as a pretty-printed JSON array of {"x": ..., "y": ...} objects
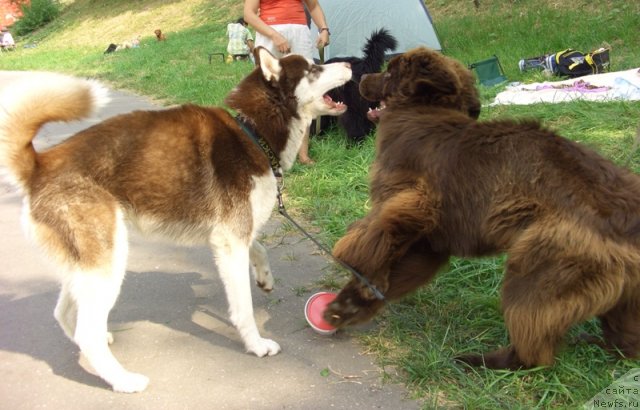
[
  {"x": 28, "y": 100},
  {"x": 375, "y": 48}
]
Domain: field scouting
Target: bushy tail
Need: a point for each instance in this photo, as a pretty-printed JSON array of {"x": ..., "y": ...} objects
[
  {"x": 28, "y": 100},
  {"x": 375, "y": 48}
]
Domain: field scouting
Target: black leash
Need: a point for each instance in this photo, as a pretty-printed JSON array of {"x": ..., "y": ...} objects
[
  {"x": 355, "y": 273},
  {"x": 275, "y": 167}
]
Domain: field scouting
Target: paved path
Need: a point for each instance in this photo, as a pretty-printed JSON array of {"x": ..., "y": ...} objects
[{"x": 171, "y": 324}]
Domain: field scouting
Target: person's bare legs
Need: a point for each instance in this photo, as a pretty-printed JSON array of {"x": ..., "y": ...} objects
[{"x": 303, "y": 155}]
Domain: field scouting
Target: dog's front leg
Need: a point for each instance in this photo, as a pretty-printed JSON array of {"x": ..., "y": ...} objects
[
  {"x": 231, "y": 255},
  {"x": 373, "y": 244}
]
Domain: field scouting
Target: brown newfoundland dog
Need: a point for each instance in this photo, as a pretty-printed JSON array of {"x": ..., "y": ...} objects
[{"x": 444, "y": 184}]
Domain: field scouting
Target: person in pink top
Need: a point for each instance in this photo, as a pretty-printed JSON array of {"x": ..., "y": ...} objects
[{"x": 281, "y": 27}]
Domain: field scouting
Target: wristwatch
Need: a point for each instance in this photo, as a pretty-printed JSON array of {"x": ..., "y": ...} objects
[{"x": 320, "y": 30}]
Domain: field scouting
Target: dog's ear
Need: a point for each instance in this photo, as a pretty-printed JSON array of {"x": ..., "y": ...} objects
[
  {"x": 443, "y": 86},
  {"x": 428, "y": 73},
  {"x": 269, "y": 65}
]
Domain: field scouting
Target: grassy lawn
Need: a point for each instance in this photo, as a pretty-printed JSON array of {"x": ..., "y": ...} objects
[{"x": 459, "y": 312}]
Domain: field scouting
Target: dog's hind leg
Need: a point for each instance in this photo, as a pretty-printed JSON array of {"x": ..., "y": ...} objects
[
  {"x": 545, "y": 292},
  {"x": 95, "y": 291},
  {"x": 621, "y": 325},
  {"x": 231, "y": 254},
  {"x": 88, "y": 239},
  {"x": 260, "y": 266},
  {"x": 66, "y": 312},
  {"x": 96, "y": 294},
  {"x": 539, "y": 314},
  {"x": 535, "y": 321}
]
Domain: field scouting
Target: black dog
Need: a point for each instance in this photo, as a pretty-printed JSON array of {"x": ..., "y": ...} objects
[
  {"x": 355, "y": 121},
  {"x": 112, "y": 48}
]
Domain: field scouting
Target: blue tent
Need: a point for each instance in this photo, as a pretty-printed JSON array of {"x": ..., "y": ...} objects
[{"x": 352, "y": 21}]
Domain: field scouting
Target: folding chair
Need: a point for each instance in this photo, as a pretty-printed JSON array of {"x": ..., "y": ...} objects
[
  {"x": 216, "y": 54},
  {"x": 489, "y": 72}
]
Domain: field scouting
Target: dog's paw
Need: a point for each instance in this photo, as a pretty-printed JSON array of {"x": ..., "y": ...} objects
[
  {"x": 130, "y": 383},
  {"x": 505, "y": 358},
  {"x": 263, "y": 347},
  {"x": 351, "y": 308},
  {"x": 340, "y": 313},
  {"x": 264, "y": 280}
]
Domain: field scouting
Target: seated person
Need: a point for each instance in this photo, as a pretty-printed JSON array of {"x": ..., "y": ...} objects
[
  {"x": 6, "y": 41},
  {"x": 240, "y": 44}
]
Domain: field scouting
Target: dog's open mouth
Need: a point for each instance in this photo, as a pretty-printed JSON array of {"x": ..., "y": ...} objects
[
  {"x": 374, "y": 113},
  {"x": 334, "y": 106}
]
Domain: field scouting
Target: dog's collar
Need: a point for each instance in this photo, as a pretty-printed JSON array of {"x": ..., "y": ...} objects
[{"x": 262, "y": 143}]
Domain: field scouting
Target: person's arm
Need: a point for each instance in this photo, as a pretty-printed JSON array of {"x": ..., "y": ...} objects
[
  {"x": 251, "y": 8},
  {"x": 317, "y": 15},
  {"x": 249, "y": 41}
]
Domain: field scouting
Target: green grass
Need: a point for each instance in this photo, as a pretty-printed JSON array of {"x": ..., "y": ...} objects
[{"x": 459, "y": 312}]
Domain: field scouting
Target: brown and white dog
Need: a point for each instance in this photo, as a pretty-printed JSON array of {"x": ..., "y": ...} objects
[
  {"x": 444, "y": 184},
  {"x": 190, "y": 173}
]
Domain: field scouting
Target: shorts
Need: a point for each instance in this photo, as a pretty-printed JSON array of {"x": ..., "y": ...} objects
[{"x": 298, "y": 36}]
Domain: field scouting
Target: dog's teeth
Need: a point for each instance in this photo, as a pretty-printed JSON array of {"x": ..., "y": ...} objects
[{"x": 335, "y": 316}]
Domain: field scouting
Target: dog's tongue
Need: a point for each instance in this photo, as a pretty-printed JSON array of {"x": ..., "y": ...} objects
[{"x": 329, "y": 101}]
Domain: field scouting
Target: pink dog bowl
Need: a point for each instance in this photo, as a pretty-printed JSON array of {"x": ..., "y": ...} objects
[{"x": 313, "y": 310}]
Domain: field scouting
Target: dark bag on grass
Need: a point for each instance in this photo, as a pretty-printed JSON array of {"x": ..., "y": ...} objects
[{"x": 573, "y": 63}]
